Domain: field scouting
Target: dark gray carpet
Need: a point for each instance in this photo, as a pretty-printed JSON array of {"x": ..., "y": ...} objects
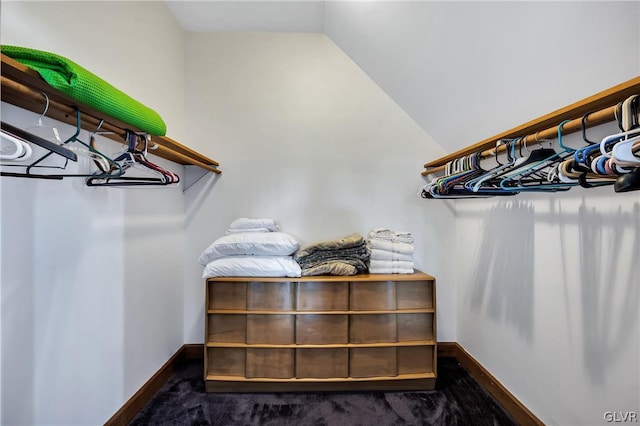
[{"x": 457, "y": 400}]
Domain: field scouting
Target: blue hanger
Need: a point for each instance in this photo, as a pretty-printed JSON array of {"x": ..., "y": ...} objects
[
  {"x": 452, "y": 185},
  {"x": 510, "y": 183},
  {"x": 474, "y": 185}
]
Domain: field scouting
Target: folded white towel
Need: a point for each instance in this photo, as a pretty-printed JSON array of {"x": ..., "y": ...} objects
[
  {"x": 383, "y": 230},
  {"x": 390, "y": 255},
  {"x": 403, "y": 248},
  {"x": 403, "y": 237},
  {"x": 390, "y": 264},
  {"x": 381, "y": 233},
  {"x": 238, "y": 231},
  {"x": 390, "y": 271},
  {"x": 246, "y": 223}
]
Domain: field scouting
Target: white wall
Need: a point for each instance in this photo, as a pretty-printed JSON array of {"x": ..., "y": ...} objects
[
  {"x": 547, "y": 292},
  {"x": 307, "y": 138},
  {"x": 91, "y": 277},
  {"x": 458, "y": 68},
  {"x": 548, "y": 299}
]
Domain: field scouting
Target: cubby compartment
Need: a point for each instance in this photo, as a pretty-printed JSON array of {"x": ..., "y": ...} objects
[
  {"x": 373, "y": 328},
  {"x": 414, "y": 295},
  {"x": 322, "y": 329},
  {"x": 322, "y": 363},
  {"x": 372, "y": 295},
  {"x": 270, "y": 296},
  {"x": 416, "y": 360},
  {"x": 226, "y": 361},
  {"x": 229, "y": 328},
  {"x": 227, "y": 295},
  {"x": 415, "y": 327},
  {"x": 270, "y": 329},
  {"x": 373, "y": 362},
  {"x": 270, "y": 362},
  {"x": 322, "y": 296}
]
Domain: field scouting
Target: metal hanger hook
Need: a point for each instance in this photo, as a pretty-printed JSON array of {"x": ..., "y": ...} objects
[{"x": 46, "y": 108}]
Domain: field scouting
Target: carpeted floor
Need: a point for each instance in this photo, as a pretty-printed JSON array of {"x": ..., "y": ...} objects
[{"x": 457, "y": 400}]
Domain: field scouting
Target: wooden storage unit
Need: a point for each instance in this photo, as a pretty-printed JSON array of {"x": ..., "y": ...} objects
[{"x": 364, "y": 332}]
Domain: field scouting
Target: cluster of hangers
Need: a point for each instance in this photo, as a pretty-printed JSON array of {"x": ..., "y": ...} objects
[
  {"x": 614, "y": 160},
  {"x": 130, "y": 167}
]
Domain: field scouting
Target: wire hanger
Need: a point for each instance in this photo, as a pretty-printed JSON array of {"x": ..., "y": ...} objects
[
  {"x": 63, "y": 150},
  {"x": 135, "y": 158},
  {"x": 47, "y": 132},
  {"x": 85, "y": 150}
]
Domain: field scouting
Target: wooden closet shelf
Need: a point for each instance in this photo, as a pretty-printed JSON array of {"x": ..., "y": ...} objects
[
  {"x": 386, "y": 311},
  {"x": 598, "y": 107},
  {"x": 416, "y": 276},
  {"x": 23, "y": 87},
  {"x": 322, "y": 346},
  {"x": 315, "y": 380}
]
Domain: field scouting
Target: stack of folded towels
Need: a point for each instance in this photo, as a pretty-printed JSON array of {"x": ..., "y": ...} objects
[
  {"x": 391, "y": 252},
  {"x": 344, "y": 256},
  {"x": 251, "y": 248}
]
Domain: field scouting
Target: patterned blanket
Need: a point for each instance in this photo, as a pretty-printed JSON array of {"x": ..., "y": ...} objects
[{"x": 344, "y": 256}]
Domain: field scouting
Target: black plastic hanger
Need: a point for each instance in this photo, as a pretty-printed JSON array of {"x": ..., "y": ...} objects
[
  {"x": 54, "y": 148},
  {"x": 583, "y": 125},
  {"x": 36, "y": 140},
  {"x": 628, "y": 182}
]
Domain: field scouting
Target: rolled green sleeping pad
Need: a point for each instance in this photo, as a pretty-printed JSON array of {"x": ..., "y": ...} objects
[{"x": 87, "y": 88}]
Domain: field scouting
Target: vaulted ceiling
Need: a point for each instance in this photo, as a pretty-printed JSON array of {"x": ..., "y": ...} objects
[
  {"x": 271, "y": 16},
  {"x": 463, "y": 71}
]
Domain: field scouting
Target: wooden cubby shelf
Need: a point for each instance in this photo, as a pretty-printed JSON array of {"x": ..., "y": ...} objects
[
  {"x": 327, "y": 345},
  {"x": 363, "y": 332},
  {"x": 330, "y": 379},
  {"x": 244, "y": 312}
]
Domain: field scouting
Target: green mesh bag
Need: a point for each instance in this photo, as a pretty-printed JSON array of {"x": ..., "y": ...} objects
[{"x": 87, "y": 88}]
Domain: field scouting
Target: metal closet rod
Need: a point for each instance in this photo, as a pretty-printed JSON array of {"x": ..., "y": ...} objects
[
  {"x": 61, "y": 112},
  {"x": 593, "y": 119}
]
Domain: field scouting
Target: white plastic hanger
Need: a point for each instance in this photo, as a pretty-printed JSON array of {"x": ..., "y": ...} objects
[
  {"x": 622, "y": 152},
  {"x": 16, "y": 150}
]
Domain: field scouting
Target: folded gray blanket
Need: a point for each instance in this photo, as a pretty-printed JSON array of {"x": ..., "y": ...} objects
[
  {"x": 361, "y": 253},
  {"x": 345, "y": 256},
  {"x": 330, "y": 268},
  {"x": 353, "y": 240}
]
